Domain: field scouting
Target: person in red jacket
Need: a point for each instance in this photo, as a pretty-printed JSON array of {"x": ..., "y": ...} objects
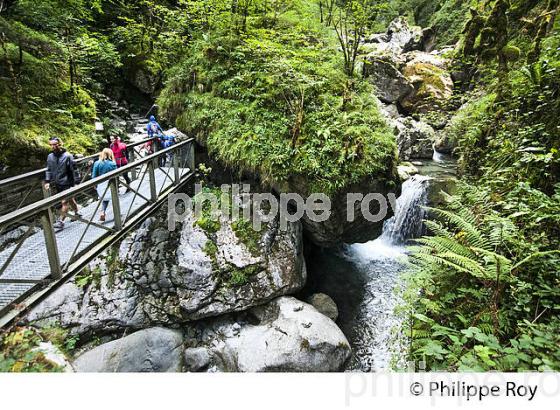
[{"x": 121, "y": 156}]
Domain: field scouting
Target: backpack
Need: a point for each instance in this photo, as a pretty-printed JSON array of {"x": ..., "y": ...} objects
[{"x": 167, "y": 141}]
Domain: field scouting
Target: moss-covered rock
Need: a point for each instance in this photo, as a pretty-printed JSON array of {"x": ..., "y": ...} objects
[
  {"x": 194, "y": 272},
  {"x": 383, "y": 72},
  {"x": 277, "y": 104},
  {"x": 433, "y": 86}
]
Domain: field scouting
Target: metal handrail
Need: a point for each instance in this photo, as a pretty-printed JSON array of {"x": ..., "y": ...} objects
[
  {"x": 61, "y": 260},
  {"x": 41, "y": 172},
  {"x": 42, "y": 205}
]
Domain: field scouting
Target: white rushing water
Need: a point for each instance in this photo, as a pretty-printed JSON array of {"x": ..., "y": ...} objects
[{"x": 381, "y": 261}]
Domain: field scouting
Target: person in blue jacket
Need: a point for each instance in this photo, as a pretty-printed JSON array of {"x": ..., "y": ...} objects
[
  {"x": 166, "y": 142},
  {"x": 153, "y": 128},
  {"x": 105, "y": 163}
]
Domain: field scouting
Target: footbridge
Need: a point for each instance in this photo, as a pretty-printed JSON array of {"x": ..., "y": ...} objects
[{"x": 35, "y": 259}]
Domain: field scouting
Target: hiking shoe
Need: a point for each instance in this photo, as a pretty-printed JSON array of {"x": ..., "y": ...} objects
[{"x": 58, "y": 226}]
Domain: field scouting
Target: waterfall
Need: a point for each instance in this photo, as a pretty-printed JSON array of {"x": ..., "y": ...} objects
[
  {"x": 407, "y": 221},
  {"x": 404, "y": 225},
  {"x": 379, "y": 261}
]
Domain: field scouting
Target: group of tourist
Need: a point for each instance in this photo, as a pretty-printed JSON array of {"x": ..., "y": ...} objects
[{"x": 62, "y": 173}]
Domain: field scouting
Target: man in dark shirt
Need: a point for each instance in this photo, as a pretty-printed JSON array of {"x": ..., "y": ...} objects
[{"x": 61, "y": 175}]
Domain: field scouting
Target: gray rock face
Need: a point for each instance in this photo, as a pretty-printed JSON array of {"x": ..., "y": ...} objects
[
  {"x": 415, "y": 139},
  {"x": 197, "y": 359},
  {"x": 402, "y": 35},
  {"x": 169, "y": 278},
  {"x": 200, "y": 274},
  {"x": 383, "y": 73},
  {"x": 109, "y": 303},
  {"x": 149, "y": 350},
  {"x": 324, "y": 304},
  {"x": 338, "y": 228},
  {"x": 284, "y": 335}
]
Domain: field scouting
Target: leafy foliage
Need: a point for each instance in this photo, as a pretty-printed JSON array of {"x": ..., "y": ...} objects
[
  {"x": 275, "y": 101},
  {"x": 482, "y": 296},
  {"x": 17, "y": 352}
]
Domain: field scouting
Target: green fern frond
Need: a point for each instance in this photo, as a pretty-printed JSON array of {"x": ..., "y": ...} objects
[
  {"x": 437, "y": 229},
  {"x": 441, "y": 244},
  {"x": 472, "y": 235}
]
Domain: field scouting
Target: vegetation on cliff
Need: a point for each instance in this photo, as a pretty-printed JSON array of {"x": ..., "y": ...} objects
[
  {"x": 488, "y": 279},
  {"x": 272, "y": 97}
]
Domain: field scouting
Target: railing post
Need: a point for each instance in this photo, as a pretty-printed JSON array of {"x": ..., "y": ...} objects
[
  {"x": 191, "y": 162},
  {"x": 50, "y": 243},
  {"x": 175, "y": 162},
  {"x": 132, "y": 158},
  {"x": 46, "y": 194},
  {"x": 115, "y": 202},
  {"x": 152, "y": 176}
]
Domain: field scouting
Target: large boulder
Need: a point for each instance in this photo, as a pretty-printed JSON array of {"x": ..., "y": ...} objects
[
  {"x": 415, "y": 139},
  {"x": 339, "y": 227},
  {"x": 203, "y": 270},
  {"x": 405, "y": 37},
  {"x": 432, "y": 83},
  {"x": 149, "y": 350},
  {"x": 159, "y": 277},
  {"x": 382, "y": 71},
  {"x": 283, "y": 335}
]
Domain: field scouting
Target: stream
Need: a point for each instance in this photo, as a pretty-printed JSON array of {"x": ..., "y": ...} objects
[{"x": 362, "y": 278}]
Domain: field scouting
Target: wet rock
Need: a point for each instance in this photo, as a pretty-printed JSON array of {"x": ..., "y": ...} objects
[
  {"x": 437, "y": 188},
  {"x": 324, "y": 304},
  {"x": 415, "y": 139},
  {"x": 283, "y": 335},
  {"x": 196, "y": 359},
  {"x": 406, "y": 170},
  {"x": 149, "y": 350},
  {"x": 383, "y": 73},
  {"x": 338, "y": 228},
  {"x": 444, "y": 144}
]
